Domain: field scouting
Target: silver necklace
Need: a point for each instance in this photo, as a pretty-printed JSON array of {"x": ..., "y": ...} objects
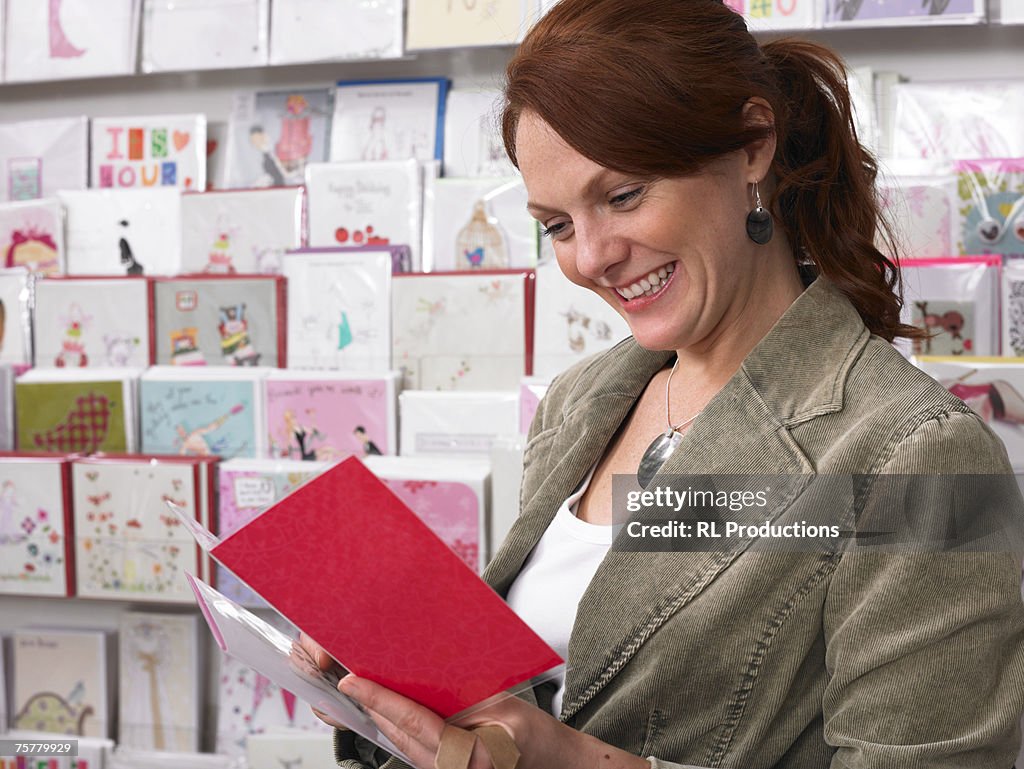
[{"x": 661, "y": 448}]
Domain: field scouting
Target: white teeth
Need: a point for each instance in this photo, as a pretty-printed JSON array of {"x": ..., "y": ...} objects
[
  {"x": 653, "y": 279},
  {"x": 645, "y": 285},
  {"x": 662, "y": 273},
  {"x": 670, "y": 267},
  {"x": 625, "y": 293}
]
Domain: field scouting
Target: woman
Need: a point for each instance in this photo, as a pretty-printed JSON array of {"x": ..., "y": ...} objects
[{"x": 699, "y": 184}]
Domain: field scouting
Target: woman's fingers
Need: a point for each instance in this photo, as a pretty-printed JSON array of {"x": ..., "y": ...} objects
[{"x": 327, "y": 719}]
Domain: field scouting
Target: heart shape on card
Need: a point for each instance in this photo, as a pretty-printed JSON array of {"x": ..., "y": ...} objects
[
  {"x": 211, "y": 147},
  {"x": 181, "y": 139}
]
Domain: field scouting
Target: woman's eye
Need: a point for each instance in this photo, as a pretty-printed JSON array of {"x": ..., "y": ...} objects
[
  {"x": 556, "y": 229},
  {"x": 626, "y": 197}
]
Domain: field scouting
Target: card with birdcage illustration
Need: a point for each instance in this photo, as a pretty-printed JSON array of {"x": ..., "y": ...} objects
[
  {"x": 444, "y": 329},
  {"x": 956, "y": 301},
  {"x": 36, "y": 553},
  {"x": 478, "y": 224},
  {"x": 127, "y": 543},
  {"x": 76, "y": 411},
  {"x": 991, "y": 207}
]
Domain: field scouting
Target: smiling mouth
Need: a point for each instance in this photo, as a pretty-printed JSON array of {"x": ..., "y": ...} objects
[{"x": 649, "y": 285}]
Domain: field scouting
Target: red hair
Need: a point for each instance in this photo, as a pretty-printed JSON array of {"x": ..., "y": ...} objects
[{"x": 658, "y": 88}]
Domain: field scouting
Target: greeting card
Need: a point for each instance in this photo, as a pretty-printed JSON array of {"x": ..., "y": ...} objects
[
  {"x": 474, "y": 224},
  {"x": 127, "y": 544},
  {"x": 64, "y": 39},
  {"x": 204, "y": 34},
  {"x": 371, "y": 204},
  {"x": 39, "y": 157},
  {"x": 149, "y": 151},
  {"x": 6, "y": 407},
  {"x": 77, "y": 411},
  {"x": 32, "y": 236},
  {"x": 1012, "y": 306},
  {"x": 92, "y": 752},
  {"x": 278, "y": 749},
  {"x": 773, "y": 15},
  {"x": 216, "y": 154},
  {"x": 472, "y": 135},
  {"x": 445, "y": 329},
  {"x": 945, "y": 121},
  {"x": 956, "y": 300},
  {"x": 463, "y": 424},
  {"x": 460, "y": 25},
  {"x": 36, "y": 554},
  {"x": 123, "y": 232},
  {"x": 63, "y": 681},
  {"x": 15, "y": 326},
  {"x": 922, "y": 212},
  {"x": 531, "y": 391},
  {"x": 87, "y": 322},
  {"x": 1011, "y": 12},
  {"x": 339, "y": 303},
  {"x": 159, "y": 673},
  {"x": 328, "y": 30},
  {"x": 991, "y": 207},
  {"x": 131, "y": 758},
  {"x": 229, "y": 320},
  {"x": 272, "y": 135},
  {"x": 992, "y": 387},
  {"x": 506, "y": 463},
  {"x": 389, "y": 120},
  {"x": 215, "y": 411},
  {"x": 874, "y": 13},
  {"x": 570, "y": 322},
  {"x": 240, "y": 231}
]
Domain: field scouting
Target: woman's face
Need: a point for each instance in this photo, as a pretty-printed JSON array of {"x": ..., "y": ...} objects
[{"x": 671, "y": 255}]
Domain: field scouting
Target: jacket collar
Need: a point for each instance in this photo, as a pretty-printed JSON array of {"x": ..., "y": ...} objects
[{"x": 795, "y": 373}]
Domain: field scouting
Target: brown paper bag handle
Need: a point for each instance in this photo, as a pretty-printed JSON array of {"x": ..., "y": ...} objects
[{"x": 457, "y": 745}]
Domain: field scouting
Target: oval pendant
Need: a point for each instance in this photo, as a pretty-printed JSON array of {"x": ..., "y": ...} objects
[
  {"x": 657, "y": 454},
  {"x": 759, "y": 226}
]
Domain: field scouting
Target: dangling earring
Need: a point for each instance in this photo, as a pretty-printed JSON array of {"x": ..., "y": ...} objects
[{"x": 759, "y": 221}]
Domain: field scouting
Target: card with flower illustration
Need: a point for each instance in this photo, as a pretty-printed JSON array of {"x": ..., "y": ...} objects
[
  {"x": 65, "y": 39},
  {"x": 956, "y": 300},
  {"x": 366, "y": 204},
  {"x": 474, "y": 224},
  {"x": 32, "y": 236},
  {"x": 272, "y": 135},
  {"x": 990, "y": 207},
  {"x": 220, "y": 320},
  {"x": 570, "y": 323},
  {"x": 388, "y": 120},
  {"x": 159, "y": 677},
  {"x": 331, "y": 30},
  {"x": 123, "y": 232},
  {"x": 472, "y": 135},
  {"x": 149, "y": 151},
  {"x": 204, "y": 34},
  {"x": 77, "y": 410},
  {"x": 36, "y": 548},
  {"x": 922, "y": 212},
  {"x": 215, "y": 411},
  {"x": 89, "y": 322},
  {"x": 874, "y": 13},
  {"x": 39, "y": 157},
  {"x": 339, "y": 306},
  {"x": 228, "y": 232},
  {"x": 444, "y": 329},
  {"x": 127, "y": 543},
  {"x": 15, "y": 317}
]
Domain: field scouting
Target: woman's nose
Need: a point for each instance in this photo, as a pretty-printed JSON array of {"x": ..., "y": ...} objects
[{"x": 598, "y": 250}]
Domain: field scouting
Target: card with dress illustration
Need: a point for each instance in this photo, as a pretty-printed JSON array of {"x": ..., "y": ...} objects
[
  {"x": 570, "y": 322},
  {"x": 15, "y": 325},
  {"x": 430, "y": 25},
  {"x": 272, "y": 135},
  {"x": 240, "y": 231},
  {"x": 875, "y": 13},
  {"x": 39, "y": 157},
  {"x": 478, "y": 224},
  {"x": 366, "y": 204},
  {"x": 460, "y": 424},
  {"x": 204, "y": 34},
  {"x": 159, "y": 677},
  {"x": 388, "y": 120},
  {"x": 922, "y": 211},
  {"x": 990, "y": 207},
  {"x": 339, "y": 305},
  {"x": 472, "y": 135},
  {"x": 123, "y": 232},
  {"x": 127, "y": 544},
  {"x": 87, "y": 322},
  {"x": 36, "y": 543},
  {"x": 778, "y": 15},
  {"x": 77, "y": 410},
  {"x": 63, "y": 681},
  {"x": 1012, "y": 307},
  {"x": 956, "y": 300},
  {"x": 444, "y": 329},
  {"x": 332, "y": 30},
  {"x": 221, "y": 320},
  {"x": 32, "y": 235},
  {"x": 65, "y": 39},
  {"x": 149, "y": 151},
  {"x": 214, "y": 411},
  {"x": 322, "y": 416}
]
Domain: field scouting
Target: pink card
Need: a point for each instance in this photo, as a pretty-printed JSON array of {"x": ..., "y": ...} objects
[{"x": 448, "y": 647}]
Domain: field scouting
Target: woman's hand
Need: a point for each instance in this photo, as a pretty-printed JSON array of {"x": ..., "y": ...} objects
[
  {"x": 543, "y": 741},
  {"x": 309, "y": 655}
]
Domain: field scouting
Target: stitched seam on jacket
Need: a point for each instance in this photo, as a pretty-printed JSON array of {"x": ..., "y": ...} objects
[{"x": 750, "y": 675}]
